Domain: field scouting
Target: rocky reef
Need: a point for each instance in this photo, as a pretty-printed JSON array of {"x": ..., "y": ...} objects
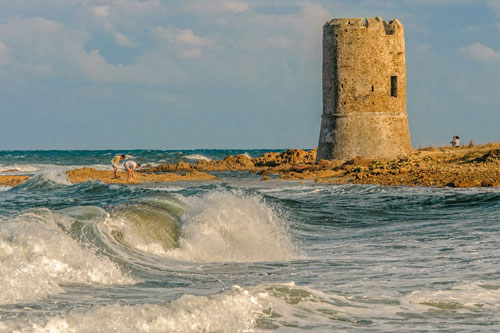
[
  {"x": 473, "y": 166},
  {"x": 12, "y": 180},
  {"x": 106, "y": 176}
]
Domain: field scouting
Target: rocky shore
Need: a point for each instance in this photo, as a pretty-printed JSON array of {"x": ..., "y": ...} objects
[
  {"x": 473, "y": 166},
  {"x": 106, "y": 176},
  {"x": 12, "y": 180}
]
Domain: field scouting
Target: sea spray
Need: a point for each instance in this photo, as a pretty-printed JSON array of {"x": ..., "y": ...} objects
[
  {"x": 218, "y": 226},
  {"x": 37, "y": 257},
  {"x": 232, "y": 311},
  {"x": 46, "y": 179},
  {"x": 197, "y": 157},
  {"x": 223, "y": 226}
]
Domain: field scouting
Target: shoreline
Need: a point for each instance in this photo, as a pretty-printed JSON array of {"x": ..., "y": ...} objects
[{"x": 470, "y": 166}]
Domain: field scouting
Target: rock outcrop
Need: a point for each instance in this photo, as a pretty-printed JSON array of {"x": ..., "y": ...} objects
[
  {"x": 476, "y": 166},
  {"x": 463, "y": 167}
]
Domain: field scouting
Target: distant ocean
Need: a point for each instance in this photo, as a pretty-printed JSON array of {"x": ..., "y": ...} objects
[{"x": 239, "y": 254}]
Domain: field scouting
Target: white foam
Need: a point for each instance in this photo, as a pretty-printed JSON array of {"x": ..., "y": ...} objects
[
  {"x": 37, "y": 257},
  {"x": 277, "y": 306},
  {"x": 152, "y": 164},
  {"x": 4, "y": 188},
  {"x": 197, "y": 157},
  {"x": 19, "y": 168},
  {"x": 233, "y": 311},
  {"x": 226, "y": 226},
  {"x": 466, "y": 296},
  {"x": 57, "y": 175},
  {"x": 166, "y": 188},
  {"x": 94, "y": 166}
]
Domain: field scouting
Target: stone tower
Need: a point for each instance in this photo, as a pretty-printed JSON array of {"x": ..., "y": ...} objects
[{"x": 364, "y": 90}]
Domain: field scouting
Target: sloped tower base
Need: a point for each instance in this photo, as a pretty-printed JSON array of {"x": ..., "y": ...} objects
[{"x": 369, "y": 135}]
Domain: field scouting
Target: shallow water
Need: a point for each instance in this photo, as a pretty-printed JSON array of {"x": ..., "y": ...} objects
[{"x": 240, "y": 254}]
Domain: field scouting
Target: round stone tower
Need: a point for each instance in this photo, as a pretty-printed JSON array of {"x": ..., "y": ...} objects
[{"x": 364, "y": 90}]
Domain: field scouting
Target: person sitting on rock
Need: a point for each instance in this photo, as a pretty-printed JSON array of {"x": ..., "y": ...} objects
[
  {"x": 455, "y": 143},
  {"x": 130, "y": 166}
]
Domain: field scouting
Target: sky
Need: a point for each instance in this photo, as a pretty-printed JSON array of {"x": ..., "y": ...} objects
[{"x": 196, "y": 74}]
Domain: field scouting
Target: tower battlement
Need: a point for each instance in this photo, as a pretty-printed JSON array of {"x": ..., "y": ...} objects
[
  {"x": 364, "y": 90},
  {"x": 371, "y": 23}
]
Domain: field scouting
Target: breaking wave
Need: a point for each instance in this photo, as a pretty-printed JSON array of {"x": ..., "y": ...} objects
[
  {"x": 219, "y": 226},
  {"x": 38, "y": 257},
  {"x": 197, "y": 157}
]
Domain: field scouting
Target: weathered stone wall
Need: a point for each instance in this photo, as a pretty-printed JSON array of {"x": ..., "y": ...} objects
[{"x": 364, "y": 90}]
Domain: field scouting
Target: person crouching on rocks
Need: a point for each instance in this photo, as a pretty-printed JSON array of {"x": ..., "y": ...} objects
[
  {"x": 455, "y": 143},
  {"x": 130, "y": 166},
  {"x": 115, "y": 163}
]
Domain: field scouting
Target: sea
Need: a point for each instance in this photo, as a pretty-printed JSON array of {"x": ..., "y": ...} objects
[{"x": 239, "y": 254}]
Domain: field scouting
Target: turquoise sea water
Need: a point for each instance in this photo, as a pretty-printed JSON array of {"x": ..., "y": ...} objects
[{"x": 241, "y": 255}]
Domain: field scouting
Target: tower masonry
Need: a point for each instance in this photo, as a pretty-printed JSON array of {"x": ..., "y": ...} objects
[{"x": 364, "y": 90}]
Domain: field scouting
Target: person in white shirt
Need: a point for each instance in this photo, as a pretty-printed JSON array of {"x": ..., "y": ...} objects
[
  {"x": 130, "y": 166},
  {"x": 455, "y": 143}
]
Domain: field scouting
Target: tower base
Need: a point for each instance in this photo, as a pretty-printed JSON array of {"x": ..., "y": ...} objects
[{"x": 366, "y": 134}]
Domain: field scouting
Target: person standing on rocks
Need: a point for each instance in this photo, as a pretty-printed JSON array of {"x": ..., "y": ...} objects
[
  {"x": 115, "y": 163},
  {"x": 455, "y": 143},
  {"x": 130, "y": 166}
]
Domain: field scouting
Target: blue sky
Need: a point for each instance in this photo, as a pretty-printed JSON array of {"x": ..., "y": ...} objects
[{"x": 124, "y": 74}]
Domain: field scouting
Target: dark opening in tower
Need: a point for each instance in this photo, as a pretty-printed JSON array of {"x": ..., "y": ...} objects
[{"x": 394, "y": 86}]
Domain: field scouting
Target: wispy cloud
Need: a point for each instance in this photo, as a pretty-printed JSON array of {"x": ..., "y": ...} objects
[
  {"x": 471, "y": 28},
  {"x": 495, "y": 5},
  {"x": 185, "y": 41},
  {"x": 103, "y": 13},
  {"x": 4, "y": 54},
  {"x": 438, "y": 2},
  {"x": 180, "y": 36},
  {"x": 218, "y": 6},
  {"x": 481, "y": 53}
]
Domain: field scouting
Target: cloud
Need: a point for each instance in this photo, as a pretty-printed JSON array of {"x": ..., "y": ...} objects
[
  {"x": 101, "y": 11},
  {"x": 437, "y": 2},
  {"x": 104, "y": 14},
  {"x": 47, "y": 47},
  {"x": 218, "y": 6},
  {"x": 235, "y": 6},
  {"x": 186, "y": 43},
  {"x": 481, "y": 53},
  {"x": 471, "y": 28},
  {"x": 41, "y": 45},
  {"x": 179, "y": 36},
  {"x": 278, "y": 9},
  {"x": 494, "y": 4},
  {"x": 4, "y": 54},
  {"x": 191, "y": 54}
]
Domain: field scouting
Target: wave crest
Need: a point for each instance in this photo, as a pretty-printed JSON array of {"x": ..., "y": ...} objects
[
  {"x": 37, "y": 256},
  {"x": 224, "y": 226}
]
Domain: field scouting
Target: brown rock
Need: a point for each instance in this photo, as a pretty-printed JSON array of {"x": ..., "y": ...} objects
[
  {"x": 183, "y": 166},
  {"x": 12, "y": 180},
  {"x": 403, "y": 171},
  {"x": 489, "y": 183},
  {"x": 84, "y": 174}
]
